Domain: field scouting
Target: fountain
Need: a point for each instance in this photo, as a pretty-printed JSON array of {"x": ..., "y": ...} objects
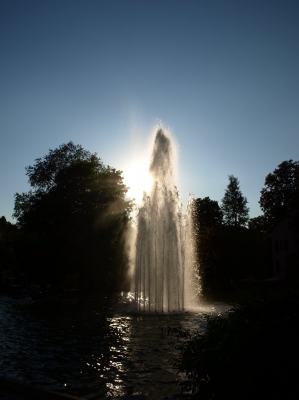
[{"x": 164, "y": 251}]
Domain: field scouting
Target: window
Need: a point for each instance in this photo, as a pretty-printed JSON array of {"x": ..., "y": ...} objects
[{"x": 281, "y": 245}]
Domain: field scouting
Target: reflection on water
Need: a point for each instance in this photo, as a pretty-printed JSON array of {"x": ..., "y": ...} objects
[{"x": 89, "y": 352}]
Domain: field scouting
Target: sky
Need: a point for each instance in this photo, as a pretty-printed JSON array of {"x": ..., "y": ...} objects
[{"x": 222, "y": 76}]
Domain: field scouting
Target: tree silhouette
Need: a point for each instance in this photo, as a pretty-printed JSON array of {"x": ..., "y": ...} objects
[
  {"x": 74, "y": 221},
  {"x": 207, "y": 212},
  {"x": 280, "y": 195},
  {"x": 42, "y": 174},
  {"x": 9, "y": 234},
  {"x": 233, "y": 205}
]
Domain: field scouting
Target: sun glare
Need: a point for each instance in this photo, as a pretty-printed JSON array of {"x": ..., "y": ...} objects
[{"x": 137, "y": 178}]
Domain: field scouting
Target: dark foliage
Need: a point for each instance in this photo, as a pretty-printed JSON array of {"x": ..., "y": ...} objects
[
  {"x": 233, "y": 204},
  {"x": 43, "y": 173},
  {"x": 251, "y": 353},
  {"x": 227, "y": 254},
  {"x": 9, "y": 235},
  {"x": 73, "y": 222},
  {"x": 207, "y": 213},
  {"x": 280, "y": 196},
  {"x": 260, "y": 224}
]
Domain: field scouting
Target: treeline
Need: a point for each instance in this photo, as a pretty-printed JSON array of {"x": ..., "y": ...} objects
[
  {"x": 70, "y": 226},
  {"x": 252, "y": 351},
  {"x": 230, "y": 246}
]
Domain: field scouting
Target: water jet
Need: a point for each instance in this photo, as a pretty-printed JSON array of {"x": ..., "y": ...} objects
[{"x": 164, "y": 258}]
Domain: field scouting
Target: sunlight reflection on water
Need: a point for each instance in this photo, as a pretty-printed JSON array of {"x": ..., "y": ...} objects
[{"x": 92, "y": 353}]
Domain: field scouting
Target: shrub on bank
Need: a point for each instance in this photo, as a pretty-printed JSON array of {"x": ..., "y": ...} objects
[{"x": 251, "y": 353}]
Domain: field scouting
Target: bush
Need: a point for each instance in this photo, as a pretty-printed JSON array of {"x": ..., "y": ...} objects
[{"x": 251, "y": 353}]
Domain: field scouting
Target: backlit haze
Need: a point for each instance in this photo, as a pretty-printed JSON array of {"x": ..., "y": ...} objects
[{"x": 221, "y": 75}]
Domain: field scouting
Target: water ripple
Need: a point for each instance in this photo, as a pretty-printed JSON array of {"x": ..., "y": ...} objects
[{"x": 88, "y": 352}]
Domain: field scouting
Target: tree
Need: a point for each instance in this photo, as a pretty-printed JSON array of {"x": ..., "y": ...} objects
[
  {"x": 235, "y": 211},
  {"x": 237, "y": 356},
  {"x": 280, "y": 195},
  {"x": 43, "y": 173},
  {"x": 225, "y": 252},
  {"x": 228, "y": 253},
  {"x": 74, "y": 221},
  {"x": 260, "y": 224},
  {"x": 207, "y": 220},
  {"x": 8, "y": 251},
  {"x": 207, "y": 212}
]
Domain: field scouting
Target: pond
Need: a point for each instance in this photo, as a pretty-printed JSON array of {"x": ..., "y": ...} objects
[{"x": 87, "y": 351}]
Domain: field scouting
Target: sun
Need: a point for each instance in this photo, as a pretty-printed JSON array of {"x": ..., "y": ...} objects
[{"x": 137, "y": 177}]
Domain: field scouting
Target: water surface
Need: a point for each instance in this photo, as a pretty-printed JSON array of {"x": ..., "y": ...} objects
[{"x": 88, "y": 351}]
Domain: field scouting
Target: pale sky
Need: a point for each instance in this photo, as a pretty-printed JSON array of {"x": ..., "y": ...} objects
[{"x": 222, "y": 75}]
